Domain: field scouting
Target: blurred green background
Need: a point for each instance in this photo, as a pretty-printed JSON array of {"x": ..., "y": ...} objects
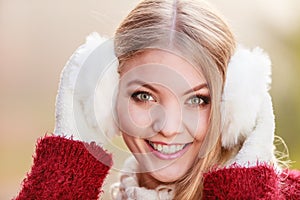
[{"x": 38, "y": 36}]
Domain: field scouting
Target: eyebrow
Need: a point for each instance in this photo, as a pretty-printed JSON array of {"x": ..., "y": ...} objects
[
  {"x": 144, "y": 84},
  {"x": 196, "y": 88}
]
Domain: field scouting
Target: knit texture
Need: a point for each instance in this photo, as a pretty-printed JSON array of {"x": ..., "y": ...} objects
[
  {"x": 66, "y": 169},
  {"x": 291, "y": 186},
  {"x": 260, "y": 182}
]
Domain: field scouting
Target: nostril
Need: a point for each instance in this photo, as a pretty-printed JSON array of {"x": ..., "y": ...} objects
[
  {"x": 157, "y": 126},
  {"x": 165, "y": 128},
  {"x": 169, "y": 128}
]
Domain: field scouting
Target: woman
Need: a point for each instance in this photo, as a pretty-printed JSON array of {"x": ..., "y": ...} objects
[{"x": 197, "y": 126}]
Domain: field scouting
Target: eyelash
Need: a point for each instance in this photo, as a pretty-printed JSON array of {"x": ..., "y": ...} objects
[
  {"x": 204, "y": 99},
  {"x": 137, "y": 99}
]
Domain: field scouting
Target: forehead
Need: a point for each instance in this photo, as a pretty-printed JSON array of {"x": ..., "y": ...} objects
[{"x": 158, "y": 65}]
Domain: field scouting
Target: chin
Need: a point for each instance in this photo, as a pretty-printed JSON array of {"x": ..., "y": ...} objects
[{"x": 167, "y": 175}]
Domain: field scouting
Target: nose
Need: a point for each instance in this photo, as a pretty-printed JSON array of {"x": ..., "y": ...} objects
[{"x": 167, "y": 120}]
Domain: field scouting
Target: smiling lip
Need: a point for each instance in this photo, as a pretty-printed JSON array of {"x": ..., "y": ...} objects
[{"x": 167, "y": 151}]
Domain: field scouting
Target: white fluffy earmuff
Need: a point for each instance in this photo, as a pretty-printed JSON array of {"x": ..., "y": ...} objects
[
  {"x": 246, "y": 107},
  {"x": 92, "y": 66}
]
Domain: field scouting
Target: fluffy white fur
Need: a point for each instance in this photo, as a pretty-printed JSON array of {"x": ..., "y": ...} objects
[
  {"x": 83, "y": 123},
  {"x": 247, "y": 113}
]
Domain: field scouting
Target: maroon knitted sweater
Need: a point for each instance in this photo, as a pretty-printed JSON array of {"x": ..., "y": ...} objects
[{"x": 68, "y": 169}]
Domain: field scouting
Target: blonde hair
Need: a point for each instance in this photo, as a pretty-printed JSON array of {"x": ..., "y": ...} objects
[{"x": 197, "y": 32}]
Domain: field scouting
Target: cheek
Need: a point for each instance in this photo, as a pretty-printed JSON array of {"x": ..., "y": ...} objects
[
  {"x": 139, "y": 116},
  {"x": 129, "y": 140},
  {"x": 197, "y": 123},
  {"x": 132, "y": 119}
]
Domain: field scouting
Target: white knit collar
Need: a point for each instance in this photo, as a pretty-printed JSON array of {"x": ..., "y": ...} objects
[{"x": 129, "y": 189}]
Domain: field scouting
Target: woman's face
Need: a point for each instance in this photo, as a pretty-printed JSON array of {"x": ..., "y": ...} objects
[{"x": 163, "y": 108}]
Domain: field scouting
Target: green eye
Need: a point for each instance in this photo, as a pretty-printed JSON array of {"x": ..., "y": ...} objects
[
  {"x": 142, "y": 96},
  {"x": 196, "y": 100}
]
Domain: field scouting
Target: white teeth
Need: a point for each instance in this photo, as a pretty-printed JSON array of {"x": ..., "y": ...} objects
[
  {"x": 167, "y": 149},
  {"x": 158, "y": 147}
]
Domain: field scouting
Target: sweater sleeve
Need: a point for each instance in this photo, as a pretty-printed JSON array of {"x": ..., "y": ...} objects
[
  {"x": 259, "y": 182},
  {"x": 66, "y": 169},
  {"x": 291, "y": 184}
]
